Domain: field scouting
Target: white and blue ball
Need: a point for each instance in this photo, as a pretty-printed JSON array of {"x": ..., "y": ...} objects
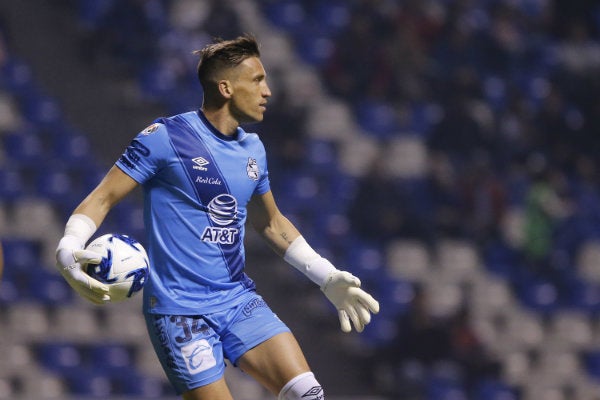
[{"x": 124, "y": 266}]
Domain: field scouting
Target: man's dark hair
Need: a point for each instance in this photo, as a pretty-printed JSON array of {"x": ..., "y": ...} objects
[{"x": 224, "y": 54}]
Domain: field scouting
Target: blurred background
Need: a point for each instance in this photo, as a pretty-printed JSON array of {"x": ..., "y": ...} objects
[{"x": 444, "y": 151}]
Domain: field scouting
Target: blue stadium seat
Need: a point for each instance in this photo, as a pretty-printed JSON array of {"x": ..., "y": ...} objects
[
  {"x": 13, "y": 184},
  {"x": 366, "y": 260},
  {"x": 494, "y": 390},
  {"x": 591, "y": 362},
  {"x": 314, "y": 46},
  {"x": 584, "y": 296},
  {"x": 395, "y": 295},
  {"x": 333, "y": 16},
  {"x": 377, "y": 118},
  {"x": 61, "y": 357},
  {"x": 134, "y": 384},
  {"x": 9, "y": 291},
  {"x": 540, "y": 295},
  {"x": 17, "y": 78},
  {"x": 42, "y": 110},
  {"x": 438, "y": 388},
  {"x": 25, "y": 148},
  {"x": 57, "y": 185},
  {"x": 91, "y": 12},
  {"x": 288, "y": 14},
  {"x": 49, "y": 288},
  {"x": 112, "y": 358},
  {"x": 87, "y": 384},
  {"x": 73, "y": 147},
  {"x": 21, "y": 254},
  {"x": 157, "y": 80}
]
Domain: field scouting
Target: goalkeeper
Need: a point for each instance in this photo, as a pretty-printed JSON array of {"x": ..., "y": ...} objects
[{"x": 202, "y": 177}]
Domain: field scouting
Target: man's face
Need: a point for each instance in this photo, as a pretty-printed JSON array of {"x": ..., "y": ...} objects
[{"x": 250, "y": 91}]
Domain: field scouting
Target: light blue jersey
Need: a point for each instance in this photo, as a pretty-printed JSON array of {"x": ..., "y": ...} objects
[{"x": 197, "y": 183}]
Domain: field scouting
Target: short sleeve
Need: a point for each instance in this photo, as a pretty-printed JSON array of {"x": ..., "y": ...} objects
[
  {"x": 263, "y": 185},
  {"x": 146, "y": 154}
]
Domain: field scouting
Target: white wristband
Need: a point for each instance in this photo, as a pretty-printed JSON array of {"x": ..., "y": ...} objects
[
  {"x": 306, "y": 260},
  {"x": 81, "y": 226}
]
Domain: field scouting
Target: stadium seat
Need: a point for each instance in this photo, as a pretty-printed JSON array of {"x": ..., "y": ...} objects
[
  {"x": 495, "y": 390},
  {"x": 444, "y": 389},
  {"x": 490, "y": 296},
  {"x": 25, "y": 149},
  {"x": 540, "y": 295},
  {"x": 408, "y": 259},
  {"x": 74, "y": 148},
  {"x": 87, "y": 383},
  {"x": 333, "y": 16},
  {"x": 43, "y": 111},
  {"x": 126, "y": 324},
  {"x": 584, "y": 295},
  {"x": 113, "y": 358},
  {"x": 516, "y": 367},
  {"x": 377, "y": 118},
  {"x": 21, "y": 254},
  {"x": 519, "y": 330},
  {"x": 64, "y": 358},
  {"x": 49, "y": 288},
  {"x": 132, "y": 384},
  {"x": 57, "y": 185},
  {"x": 365, "y": 259},
  {"x": 457, "y": 259},
  {"x": 314, "y": 46},
  {"x": 9, "y": 290},
  {"x": 78, "y": 323},
  {"x": 395, "y": 296},
  {"x": 17, "y": 77},
  {"x": 586, "y": 260},
  {"x": 38, "y": 384},
  {"x": 445, "y": 297},
  {"x": 288, "y": 14},
  {"x": 561, "y": 367},
  {"x": 13, "y": 184}
]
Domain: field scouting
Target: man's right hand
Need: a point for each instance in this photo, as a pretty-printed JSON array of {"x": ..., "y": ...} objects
[{"x": 71, "y": 257}]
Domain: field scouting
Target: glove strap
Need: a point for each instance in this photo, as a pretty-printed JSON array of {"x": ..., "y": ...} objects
[{"x": 306, "y": 260}]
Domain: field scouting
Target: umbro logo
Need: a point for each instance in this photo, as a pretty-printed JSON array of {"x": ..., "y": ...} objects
[
  {"x": 201, "y": 163},
  {"x": 314, "y": 393}
]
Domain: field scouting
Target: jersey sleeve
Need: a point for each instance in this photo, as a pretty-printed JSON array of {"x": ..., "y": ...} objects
[
  {"x": 146, "y": 154},
  {"x": 263, "y": 185}
]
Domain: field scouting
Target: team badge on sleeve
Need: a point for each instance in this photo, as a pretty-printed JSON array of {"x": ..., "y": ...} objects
[
  {"x": 150, "y": 129},
  {"x": 252, "y": 169}
]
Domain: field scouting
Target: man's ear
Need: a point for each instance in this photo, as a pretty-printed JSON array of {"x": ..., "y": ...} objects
[{"x": 225, "y": 88}]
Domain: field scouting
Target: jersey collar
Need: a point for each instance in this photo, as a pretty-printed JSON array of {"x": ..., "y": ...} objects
[{"x": 215, "y": 131}]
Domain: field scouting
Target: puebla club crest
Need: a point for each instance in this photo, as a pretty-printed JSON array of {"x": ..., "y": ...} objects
[{"x": 252, "y": 169}]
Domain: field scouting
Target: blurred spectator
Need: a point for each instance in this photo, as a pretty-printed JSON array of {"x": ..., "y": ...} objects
[
  {"x": 421, "y": 341},
  {"x": 486, "y": 201},
  {"x": 546, "y": 205},
  {"x": 426, "y": 345},
  {"x": 127, "y": 31},
  {"x": 466, "y": 349},
  {"x": 284, "y": 129},
  {"x": 381, "y": 210}
]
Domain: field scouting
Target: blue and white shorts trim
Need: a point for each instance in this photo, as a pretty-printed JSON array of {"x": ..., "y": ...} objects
[{"x": 192, "y": 348}]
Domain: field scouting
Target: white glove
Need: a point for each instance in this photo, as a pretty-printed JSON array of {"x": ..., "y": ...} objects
[
  {"x": 71, "y": 257},
  {"x": 353, "y": 304}
]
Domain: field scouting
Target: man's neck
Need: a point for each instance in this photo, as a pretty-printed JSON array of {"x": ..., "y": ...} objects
[{"x": 221, "y": 119}]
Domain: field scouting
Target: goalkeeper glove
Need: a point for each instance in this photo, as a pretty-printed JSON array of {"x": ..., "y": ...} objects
[
  {"x": 353, "y": 304},
  {"x": 71, "y": 257},
  {"x": 340, "y": 287}
]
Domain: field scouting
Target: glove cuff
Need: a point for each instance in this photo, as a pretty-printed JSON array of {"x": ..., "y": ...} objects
[
  {"x": 306, "y": 260},
  {"x": 81, "y": 226}
]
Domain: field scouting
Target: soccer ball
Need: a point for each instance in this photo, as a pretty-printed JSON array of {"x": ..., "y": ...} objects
[{"x": 124, "y": 265}]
